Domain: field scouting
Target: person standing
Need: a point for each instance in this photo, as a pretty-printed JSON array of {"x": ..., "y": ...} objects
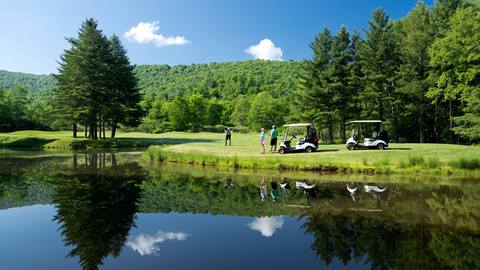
[
  {"x": 228, "y": 136},
  {"x": 273, "y": 139},
  {"x": 263, "y": 140}
]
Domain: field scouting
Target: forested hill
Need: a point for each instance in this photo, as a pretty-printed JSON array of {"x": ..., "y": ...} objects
[
  {"x": 222, "y": 80},
  {"x": 30, "y": 82}
]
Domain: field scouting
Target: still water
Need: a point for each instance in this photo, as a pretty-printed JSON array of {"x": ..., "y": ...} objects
[{"x": 115, "y": 211}]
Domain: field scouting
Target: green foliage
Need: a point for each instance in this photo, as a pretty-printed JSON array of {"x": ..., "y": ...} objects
[
  {"x": 266, "y": 111},
  {"x": 179, "y": 114}
]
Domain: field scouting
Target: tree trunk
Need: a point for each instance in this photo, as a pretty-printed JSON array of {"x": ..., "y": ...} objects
[
  {"x": 86, "y": 131},
  {"x": 74, "y": 130},
  {"x": 103, "y": 130},
  {"x": 343, "y": 130},
  {"x": 91, "y": 132},
  {"x": 75, "y": 161},
  {"x": 450, "y": 125},
  {"x": 114, "y": 129},
  {"x": 330, "y": 130}
]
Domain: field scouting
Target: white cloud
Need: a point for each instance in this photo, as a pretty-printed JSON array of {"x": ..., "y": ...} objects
[
  {"x": 146, "y": 32},
  {"x": 266, "y": 225},
  {"x": 265, "y": 50},
  {"x": 146, "y": 244}
]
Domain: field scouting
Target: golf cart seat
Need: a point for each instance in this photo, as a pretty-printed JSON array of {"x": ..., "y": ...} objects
[{"x": 301, "y": 141}]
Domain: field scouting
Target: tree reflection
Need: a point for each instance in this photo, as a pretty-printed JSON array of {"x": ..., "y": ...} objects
[
  {"x": 96, "y": 204},
  {"x": 390, "y": 245}
]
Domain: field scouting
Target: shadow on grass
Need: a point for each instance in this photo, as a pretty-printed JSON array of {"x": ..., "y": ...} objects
[
  {"x": 39, "y": 143},
  {"x": 399, "y": 148},
  {"x": 132, "y": 142},
  {"x": 28, "y": 142},
  {"x": 326, "y": 150}
]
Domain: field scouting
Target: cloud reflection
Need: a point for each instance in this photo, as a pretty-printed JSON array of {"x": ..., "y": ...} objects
[
  {"x": 266, "y": 225},
  {"x": 146, "y": 244}
]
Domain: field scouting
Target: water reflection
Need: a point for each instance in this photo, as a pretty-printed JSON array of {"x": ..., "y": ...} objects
[
  {"x": 146, "y": 244},
  {"x": 96, "y": 204},
  {"x": 388, "y": 226},
  {"x": 266, "y": 225}
]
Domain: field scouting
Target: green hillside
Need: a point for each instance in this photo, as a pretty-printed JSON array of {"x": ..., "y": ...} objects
[
  {"x": 223, "y": 80},
  {"x": 31, "y": 82}
]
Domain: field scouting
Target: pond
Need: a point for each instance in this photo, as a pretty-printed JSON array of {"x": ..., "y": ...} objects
[{"x": 117, "y": 211}]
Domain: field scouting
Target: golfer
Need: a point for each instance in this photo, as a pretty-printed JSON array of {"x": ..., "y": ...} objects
[
  {"x": 263, "y": 140},
  {"x": 273, "y": 139},
  {"x": 228, "y": 136}
]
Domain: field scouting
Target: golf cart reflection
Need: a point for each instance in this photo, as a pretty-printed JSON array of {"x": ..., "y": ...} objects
[
  {"x": 363, "y": 129},
  {"x": 308, "y": 143}
]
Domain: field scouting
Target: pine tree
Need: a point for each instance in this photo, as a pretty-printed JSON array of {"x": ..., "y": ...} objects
[
  {"x": 124, "y": 96},
  {"x": 341, "y": 78},
  {"x": 96, "y": 83},
  {"x": 380, "y": 60},
  {"x": 315, "y": 97},
  {"x": 417, "y": 36}
]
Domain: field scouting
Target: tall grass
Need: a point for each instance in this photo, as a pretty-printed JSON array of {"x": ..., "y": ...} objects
[{"x": 466, "y": 163}]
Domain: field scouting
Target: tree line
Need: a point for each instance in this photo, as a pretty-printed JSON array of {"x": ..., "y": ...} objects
[{"x": 419, "y": 74}]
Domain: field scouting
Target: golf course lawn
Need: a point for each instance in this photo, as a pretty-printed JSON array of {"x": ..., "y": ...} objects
[{"x": 208, "y": 149}]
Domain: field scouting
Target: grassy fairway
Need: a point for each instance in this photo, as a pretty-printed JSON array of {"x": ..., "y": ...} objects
[
  {"x": 64, "y": 140},
  {"x": 208, "y": 149}
]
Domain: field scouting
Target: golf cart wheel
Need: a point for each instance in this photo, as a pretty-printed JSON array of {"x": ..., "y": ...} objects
[
  {"x": 381, "y": 146},
  {"x": 351, "y": 146},
  {"x": 308, "y": 149},
  {"x": 282, "y": 150}
]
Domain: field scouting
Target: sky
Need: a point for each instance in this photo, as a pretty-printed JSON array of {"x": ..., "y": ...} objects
[{"x": 32, "y": 33}]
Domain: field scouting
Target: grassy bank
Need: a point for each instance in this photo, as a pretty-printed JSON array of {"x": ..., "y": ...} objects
[{"x": 245, "y": 153}]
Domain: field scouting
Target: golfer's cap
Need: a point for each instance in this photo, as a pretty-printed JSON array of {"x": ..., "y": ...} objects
[{"x": 273, "y": 126}]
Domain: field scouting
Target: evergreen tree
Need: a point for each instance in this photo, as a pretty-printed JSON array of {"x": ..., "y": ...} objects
[
  {"x": 417, "y": 36},
  {"x": 124, "y": 95},
  {"x": 380, "y": 61},
  {"x": 456, "y": 63},
  {"x": 341, "y": 81},
  {"x": 315, "y": 96},
  {"x": 96, "y": 83}
]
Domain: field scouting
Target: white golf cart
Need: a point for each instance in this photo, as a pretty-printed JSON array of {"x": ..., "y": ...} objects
[
  {"x": 362, "y": 129},
  {"x": 308, "y": 143}
]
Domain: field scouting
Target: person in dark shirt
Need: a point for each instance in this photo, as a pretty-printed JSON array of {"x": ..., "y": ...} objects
[{"x": 228, "y": 136}]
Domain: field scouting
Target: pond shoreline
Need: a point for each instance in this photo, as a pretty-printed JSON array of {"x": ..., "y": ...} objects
[{"x": 413, "y": 165}]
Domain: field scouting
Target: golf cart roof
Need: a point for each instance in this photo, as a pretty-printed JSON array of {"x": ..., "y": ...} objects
[
  {"x": 366, "y": 121},
  {"x": 298, "y": 125}
]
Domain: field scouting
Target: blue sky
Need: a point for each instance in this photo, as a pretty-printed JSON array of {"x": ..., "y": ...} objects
[{"x": 180, "y": 31}]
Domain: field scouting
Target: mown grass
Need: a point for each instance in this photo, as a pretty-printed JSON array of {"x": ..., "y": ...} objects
[
  {"x": 63, "y": 140},
  {"x": 207, "y": 149},
  {"x": 442, "y": 159}
]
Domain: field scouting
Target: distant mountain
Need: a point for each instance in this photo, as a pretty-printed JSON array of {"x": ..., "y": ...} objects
[{"x": 223, "y": 80}]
